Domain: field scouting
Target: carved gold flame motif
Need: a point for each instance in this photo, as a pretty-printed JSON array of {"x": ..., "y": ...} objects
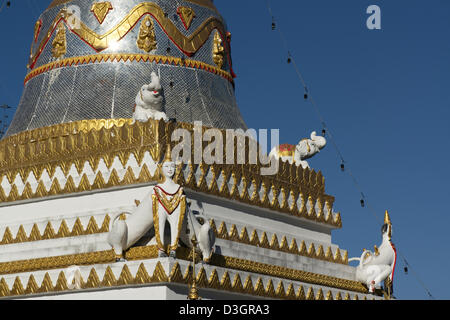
[
  {"x": 146, "y": 38},
  {"x": 218, "y": 50},
  {"x": 187, "y": 16},
  {"x": 59, "y": 43},
  {"x": 101, "y": 10}
]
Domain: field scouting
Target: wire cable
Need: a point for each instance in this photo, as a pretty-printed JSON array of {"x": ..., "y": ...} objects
[{"x": 329, "y": 133}]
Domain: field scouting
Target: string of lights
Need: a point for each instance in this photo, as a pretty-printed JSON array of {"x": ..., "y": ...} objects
[{"x": 326, "y": 130}]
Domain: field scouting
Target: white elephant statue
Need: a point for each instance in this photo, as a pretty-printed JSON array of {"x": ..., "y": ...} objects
[
  {"x": 149, "y": 102},
  {"x": 376, "y": 267},
  {"x": 203, "y": 232},
  {"x": 305, "y": 149}
]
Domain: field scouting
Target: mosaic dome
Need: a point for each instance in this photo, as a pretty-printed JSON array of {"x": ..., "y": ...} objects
[{"x": 89, "y": 59}]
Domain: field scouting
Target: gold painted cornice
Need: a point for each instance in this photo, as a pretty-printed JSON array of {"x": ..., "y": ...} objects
[
  {"x": 222, "y": 233},
  {"x": 237, "y": 284},
  {"x": 189, "y": 45},
  {"x": 98, "y": 58},
  {"x": 50, "y": 233},
  {"x": 62, "y": 146},
  {"x": 263, "y": 241},
  {"x": 151, "y": 252}
]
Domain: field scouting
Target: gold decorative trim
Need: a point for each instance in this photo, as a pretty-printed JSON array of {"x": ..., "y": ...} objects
[
  {"x": 48, "y": 148},
  {"x": 147, "y": 39},
  {"x": 57, "y": 262},
  {"x": 175, "y": 275},
  {"x": 59, "y": 44},
  {"x": 189, "y": 45},
  {"x": 101, "y": 10},
  {"x": 274, "y": 244},
  {"x": 203, "y": 3},
  {"x": 187, "y": 15},
  {"x": 221, "y": 233},
  {"x": 49, "y": 232},
  {"x": 98, "y": 58},
  {"x": 218, "y": 52},
  {"x": 37, "y": 30},
  {"x": 256, "y": 267}
]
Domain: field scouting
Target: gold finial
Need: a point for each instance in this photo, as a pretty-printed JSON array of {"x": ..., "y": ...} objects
[
  {"x": 193, "y": 292},
  {"x": 387, "y": 220},
  {"x": 168, "y": 155}
]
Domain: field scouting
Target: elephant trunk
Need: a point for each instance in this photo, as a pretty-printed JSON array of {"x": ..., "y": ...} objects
[{"x": 319, "y": 141}]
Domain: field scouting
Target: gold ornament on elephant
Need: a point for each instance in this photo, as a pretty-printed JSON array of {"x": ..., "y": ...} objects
[{"x": 146, "y": 38}]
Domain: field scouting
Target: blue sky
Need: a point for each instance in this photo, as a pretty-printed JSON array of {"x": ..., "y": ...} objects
[{"x": 384, "y": 94}]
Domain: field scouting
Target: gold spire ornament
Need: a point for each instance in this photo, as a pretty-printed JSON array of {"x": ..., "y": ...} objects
[
  {"x": 187, "y": 15},
  {"x": 101, "y": 10},
  {"x": 193, "y": 291},
  {"x": 59, "y": 42},
  {"x": 218, "y": 50},
  {"x": 147, "y": 38},
  {"x": 168, "y": 154},
  {"x": 387, "y": 220}
]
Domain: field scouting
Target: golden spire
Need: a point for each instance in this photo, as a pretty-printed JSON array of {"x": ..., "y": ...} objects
[
  {"x": 387, "y": 220},
  {"x": 168, "y": 155}
]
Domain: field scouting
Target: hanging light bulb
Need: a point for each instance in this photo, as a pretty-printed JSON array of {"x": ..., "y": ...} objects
[
  {"x": 324, "y": 132},
  {"x": 8, "y": 4},
  {"x": 274, "y": 26},
  {"x": 406, "y": 270},
  {"x": 342, "y": 166},
  {"x": 362, "y": 203},
  {"x": 289, "y": 60}
]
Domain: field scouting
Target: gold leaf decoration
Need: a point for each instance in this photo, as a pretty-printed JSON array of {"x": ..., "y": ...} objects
[
  {"x": 109, "y": 279},
  {"x": 32, "y": 286},
  {"x": 218, "y": 50},
  {"x": 17, "y": 288},
  {"x": 101, "y": 10},
  {"x": 61, "y": 282},
  {"x": 59, "y": 46},
  {"x": 187, "y": 16},
  {"x": 147, "y": 38}
]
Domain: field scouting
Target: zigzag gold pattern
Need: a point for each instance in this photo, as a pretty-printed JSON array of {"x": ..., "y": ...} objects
[
  {"x": 184, "y": 254},
  {"x": 49, "y": 232},
  {"x": 143, "y": 252},
  {"x": 88, "y": 142},
  {"x": 175, "y": 276},
  {"x": 56, "y": 262},
  {"x": 263, "y": 242},
  {"x": 189, "y": 45},
  {"x": 98, "y": 58}
]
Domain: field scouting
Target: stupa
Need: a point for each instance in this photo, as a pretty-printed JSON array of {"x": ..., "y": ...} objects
[{"x": 77, "y": 171}]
